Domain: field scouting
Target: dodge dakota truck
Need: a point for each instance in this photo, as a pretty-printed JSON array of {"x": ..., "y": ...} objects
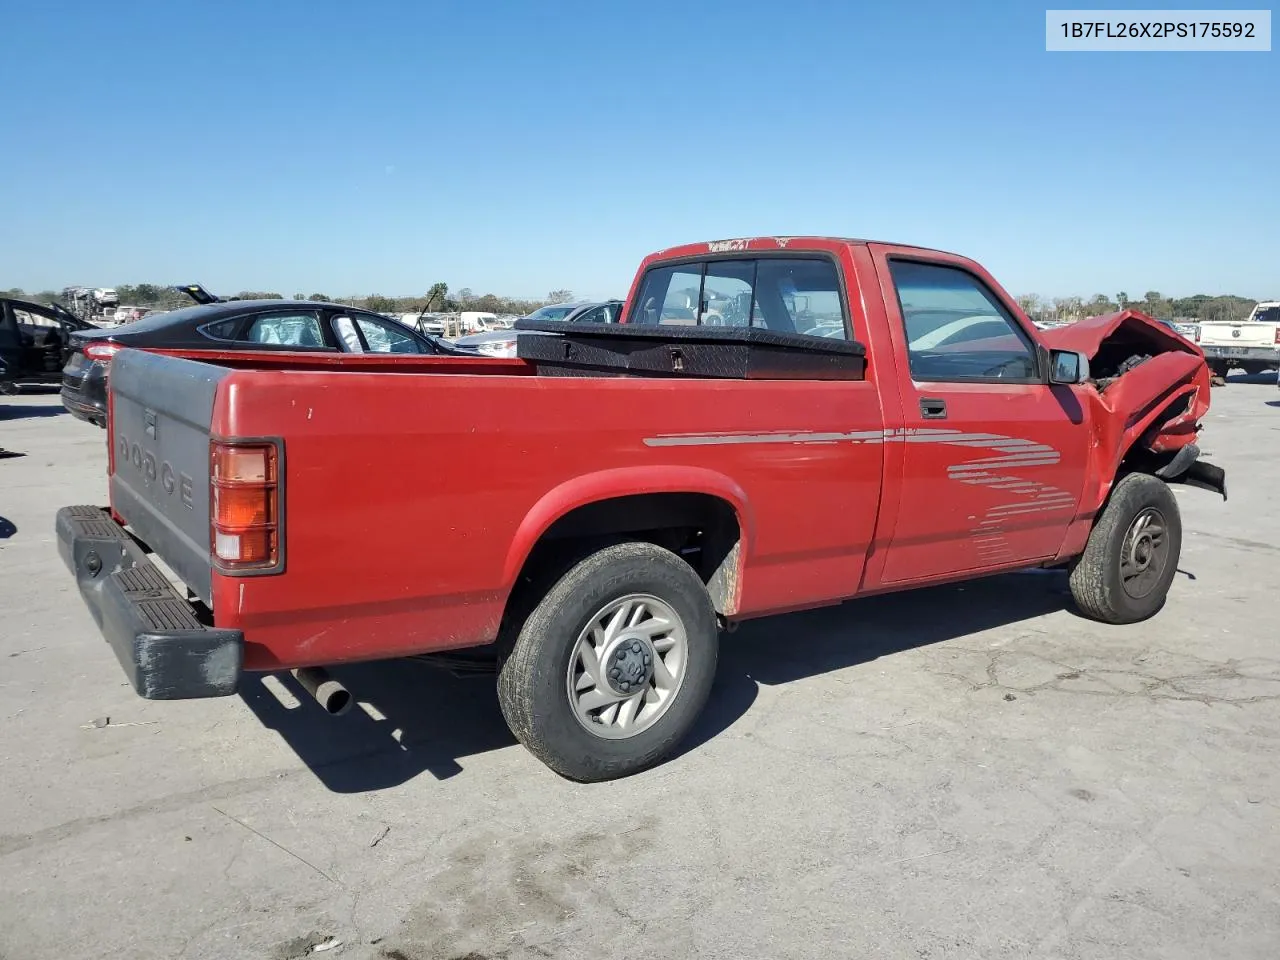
[{"x": 778, "y": 423}]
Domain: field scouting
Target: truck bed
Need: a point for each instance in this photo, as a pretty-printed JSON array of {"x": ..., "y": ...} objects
[{"x": 412, "y": 498}]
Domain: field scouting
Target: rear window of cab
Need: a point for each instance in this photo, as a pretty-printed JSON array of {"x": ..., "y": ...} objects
[{"x": 783, "y": 294}]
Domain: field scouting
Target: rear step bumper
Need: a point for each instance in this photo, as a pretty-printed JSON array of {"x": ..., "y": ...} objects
[{"x": 166, "y": 652}]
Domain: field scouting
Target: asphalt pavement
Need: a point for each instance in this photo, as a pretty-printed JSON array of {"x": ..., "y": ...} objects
[{"x": 970, "y": 771}]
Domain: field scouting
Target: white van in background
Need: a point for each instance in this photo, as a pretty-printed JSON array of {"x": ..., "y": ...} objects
[{"x": 476, "y": 321}]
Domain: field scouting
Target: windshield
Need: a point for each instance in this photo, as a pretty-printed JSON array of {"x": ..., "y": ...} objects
[{"x": 553, "y": 312}]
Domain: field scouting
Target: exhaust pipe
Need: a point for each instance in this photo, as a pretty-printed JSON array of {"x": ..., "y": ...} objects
[{"x": 332, "y": 696}]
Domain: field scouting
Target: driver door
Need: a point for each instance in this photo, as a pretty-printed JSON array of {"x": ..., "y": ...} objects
[
  {"x": 992, "y": 454},
  {"x": 10, "y": 340}
]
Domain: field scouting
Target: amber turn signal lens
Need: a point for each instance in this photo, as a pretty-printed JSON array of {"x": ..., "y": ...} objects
[{"x": 240, "y": 507}]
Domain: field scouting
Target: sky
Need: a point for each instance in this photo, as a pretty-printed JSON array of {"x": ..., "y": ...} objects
[{"x": 516, "y": 148}]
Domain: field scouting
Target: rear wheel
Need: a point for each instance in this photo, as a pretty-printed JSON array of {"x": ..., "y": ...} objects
[
  {"x": 1131, "y": 557},
  {"x": 611, "y": 669}
]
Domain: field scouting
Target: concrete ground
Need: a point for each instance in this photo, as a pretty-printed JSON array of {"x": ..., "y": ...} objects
[{"x": 966, "y": 772}]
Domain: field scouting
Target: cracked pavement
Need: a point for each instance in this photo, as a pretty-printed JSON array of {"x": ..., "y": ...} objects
[{"x": 971, "y": 771}]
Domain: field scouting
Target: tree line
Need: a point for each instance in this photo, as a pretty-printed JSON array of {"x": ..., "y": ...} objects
[
  {"x": 437, "y": 299},
  {"x": 1202, "y": 306}
]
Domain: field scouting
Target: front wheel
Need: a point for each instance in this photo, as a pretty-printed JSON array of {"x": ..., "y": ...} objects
[
  {"x": 1127, "y": 566},
  {"x": 613, "y": 666}
]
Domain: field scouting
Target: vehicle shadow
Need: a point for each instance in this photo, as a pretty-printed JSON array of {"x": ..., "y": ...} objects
[
  {"x": 409, "y": 718},
  {"x": 1267, "y": 378},
  {"x": 7, "y": 528},
  {"x": 412, "y": 718},
  {"x": 9, "y": 411}
]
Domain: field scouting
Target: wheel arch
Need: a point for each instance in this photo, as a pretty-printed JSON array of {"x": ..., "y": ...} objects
[{"x": 642, "y": 500}]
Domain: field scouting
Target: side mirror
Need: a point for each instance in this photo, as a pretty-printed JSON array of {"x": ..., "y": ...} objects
[{"x": 1067, "y": 366}]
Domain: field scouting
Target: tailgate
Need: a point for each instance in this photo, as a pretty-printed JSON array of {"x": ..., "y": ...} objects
[
  {"x": 161, "y": 409},
  {"x": 1224, "y": 334}
]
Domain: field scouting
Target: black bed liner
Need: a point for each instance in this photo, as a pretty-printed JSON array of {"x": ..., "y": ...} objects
[{"x": 743, "y": 353}]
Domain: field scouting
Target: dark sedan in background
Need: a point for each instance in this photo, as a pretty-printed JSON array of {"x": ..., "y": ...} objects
[
  {"x": 268, "y": 325},
  {"x": 502, "y": 343}
]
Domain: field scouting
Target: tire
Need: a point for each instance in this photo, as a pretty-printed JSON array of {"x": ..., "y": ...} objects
[
  {"x": 1219, "y": 368},
  {"x": 537, "y": 690},
  {"x": 1099, "y": 584}
]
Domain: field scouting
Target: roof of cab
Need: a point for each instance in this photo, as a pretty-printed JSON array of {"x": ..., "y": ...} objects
[{"x": 745, "y": 244}]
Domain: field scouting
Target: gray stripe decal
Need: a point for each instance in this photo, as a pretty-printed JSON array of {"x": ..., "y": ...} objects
[
  {"x": 713, "y": 439},
  {"x": 1013, "y": 454}
]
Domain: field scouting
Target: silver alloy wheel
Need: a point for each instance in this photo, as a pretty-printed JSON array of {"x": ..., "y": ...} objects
[
  {"x": 627, "y": 666},
  {"x": 1145, "y": 553}
]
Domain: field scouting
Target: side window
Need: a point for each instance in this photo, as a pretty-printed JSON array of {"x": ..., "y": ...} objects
[
  {"x": 285, "y": 329},
  {"x": 595, "y": 315},
  {"x": 222, "y": 329},
  {"x": 345, "y": 328},
  {"x": 798, "y": 295},
  {"x": 384, "y": 338},
  {"x": 669, "y": 295},
  {"x": 726, "y": 293},
  {"x": 956, "y": 328},
  {"x": 28, "y": 319}
]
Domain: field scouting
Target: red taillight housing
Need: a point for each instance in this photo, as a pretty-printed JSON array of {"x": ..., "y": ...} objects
[
  {"x": 102, "y": 352},
  {"x": 1277, "y": 335},
  {"x": 244, "y": 504}
]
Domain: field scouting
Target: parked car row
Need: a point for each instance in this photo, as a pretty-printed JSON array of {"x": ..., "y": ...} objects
[
  {"x": 235, "y": 326},
  {"x": 129, "y": 314},
  {"x": 55, "y": 345},
  {"x": 45, "y": 344},
  {"x": 502, "y": 343}
]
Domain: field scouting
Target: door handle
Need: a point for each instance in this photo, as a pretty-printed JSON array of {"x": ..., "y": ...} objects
[{"x": 933, "y": 409}]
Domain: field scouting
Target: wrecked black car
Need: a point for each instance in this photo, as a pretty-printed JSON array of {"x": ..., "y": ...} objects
[{"x": 35, "y": 342}]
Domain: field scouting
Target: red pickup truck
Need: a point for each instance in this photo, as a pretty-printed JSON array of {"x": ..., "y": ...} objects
[{"x": 778, "y": 423}]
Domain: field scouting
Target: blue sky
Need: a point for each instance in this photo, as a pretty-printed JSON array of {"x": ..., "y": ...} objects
[{"x": 520, "y": 147}]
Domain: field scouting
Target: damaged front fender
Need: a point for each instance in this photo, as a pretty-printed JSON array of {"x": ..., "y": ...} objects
[{"x": 1148, "y": 391}]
